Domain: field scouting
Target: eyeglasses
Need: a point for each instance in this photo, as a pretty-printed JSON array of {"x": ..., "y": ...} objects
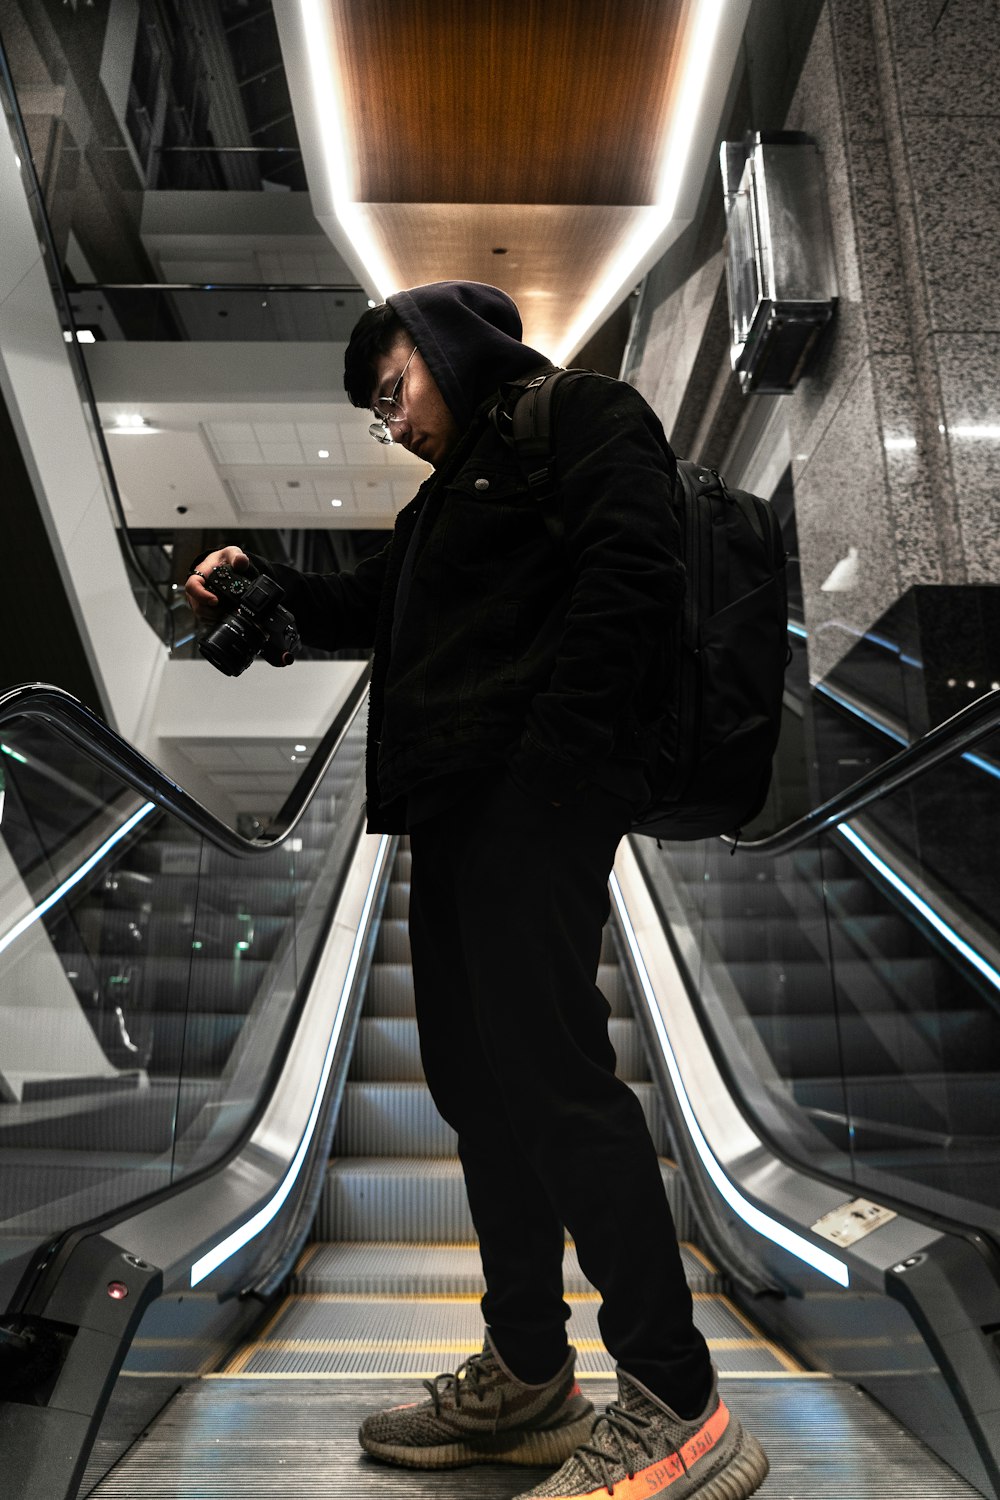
[{"x": 389, "y": 408}]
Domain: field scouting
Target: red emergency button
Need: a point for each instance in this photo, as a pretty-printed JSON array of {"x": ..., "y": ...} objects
[{"x": 118, "y": 1290}]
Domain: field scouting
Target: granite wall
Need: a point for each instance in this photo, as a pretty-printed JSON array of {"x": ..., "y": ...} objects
[{"x": 894, "y": 434}]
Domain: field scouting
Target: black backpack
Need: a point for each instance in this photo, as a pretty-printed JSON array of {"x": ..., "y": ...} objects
[{"x": 720, "y": 735}]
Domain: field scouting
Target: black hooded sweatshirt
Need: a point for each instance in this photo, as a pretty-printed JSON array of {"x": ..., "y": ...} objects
[{"x": 495, "y": 648}]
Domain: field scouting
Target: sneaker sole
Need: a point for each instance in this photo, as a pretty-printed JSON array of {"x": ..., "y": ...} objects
[
  {"x": 548, "y": 1446},
  {"x": 744, "y": 1473}
]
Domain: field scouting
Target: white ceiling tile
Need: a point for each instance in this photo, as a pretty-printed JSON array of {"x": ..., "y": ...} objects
[
  {"x": 230, "y": 432},
  {"x": 275, "y": 432},
  {"x": 239, "y": 453},
  {"x": 282, "y": 453}
]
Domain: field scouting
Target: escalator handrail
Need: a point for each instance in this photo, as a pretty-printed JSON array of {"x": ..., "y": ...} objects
[
  {"x": 73, "y": 721},
  {"x": 943, "y": 742},
  {"x": 79, "y": 724}
]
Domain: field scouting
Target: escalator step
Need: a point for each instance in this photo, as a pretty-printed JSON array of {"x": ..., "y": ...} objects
[
  {"x": 411, "y": 1269},
  {"x": 387, "y": 1198},
  {"x": 400, "y": 1118},
  {"x": 392, "y": 945},
  {"x": 880, "y": 1043},
  {"x": 390, "y": 990},
  {"x": 409, "y": 1198},
  {"x": 740, "y": 939},
  {"x": 967, "y": 1106},
  {"x": 326, "y": 1335},
  {"x": 770, "y": 987},
  {"x": 387, "y": 1049}
]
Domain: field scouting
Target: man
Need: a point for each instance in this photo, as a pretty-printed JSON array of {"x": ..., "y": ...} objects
[{"x": 516, "y": 686}]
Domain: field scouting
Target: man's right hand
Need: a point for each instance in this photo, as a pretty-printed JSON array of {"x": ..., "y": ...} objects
[{"x": 205, "y": 604}]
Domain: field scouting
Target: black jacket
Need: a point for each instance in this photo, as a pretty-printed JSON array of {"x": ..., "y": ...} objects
[{"x": 493, "y": 645}]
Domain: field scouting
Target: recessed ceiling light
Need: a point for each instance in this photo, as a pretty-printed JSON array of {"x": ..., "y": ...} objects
[
  {"x": 130, "y": 419},
  {"x": 300, "y": 747},
  {"x": 336, "y": 502},
  {"x": 324, "y": 453}
]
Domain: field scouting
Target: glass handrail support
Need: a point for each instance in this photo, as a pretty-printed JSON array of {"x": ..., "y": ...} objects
[
  {"x": 150, "y": 960},
  {"x": 166, "y": 1088},
  {"x": 845, "y": 975},
  {"x": 166, "y": 990}
]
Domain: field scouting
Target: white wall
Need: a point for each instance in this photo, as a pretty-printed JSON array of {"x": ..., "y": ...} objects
[
  {"x": 199, "y": 715},
  {"x": 38, "y": 386}
]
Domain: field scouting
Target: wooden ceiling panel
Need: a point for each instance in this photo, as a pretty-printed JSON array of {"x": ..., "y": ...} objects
[
  {"x": 554, "y": 254},
  {"x": 508, "y": 101}
]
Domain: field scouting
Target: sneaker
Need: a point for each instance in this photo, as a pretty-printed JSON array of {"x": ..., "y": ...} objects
[
  {"x": 483, "y": 1414},
  {"x": 639, "y": 1447}
]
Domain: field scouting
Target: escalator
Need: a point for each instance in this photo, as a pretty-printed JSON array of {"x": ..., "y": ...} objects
[{"x": 232, "y": 1222}]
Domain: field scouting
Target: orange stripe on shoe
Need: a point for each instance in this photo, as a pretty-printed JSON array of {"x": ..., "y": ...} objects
[{"x": 657, "y": 1478}]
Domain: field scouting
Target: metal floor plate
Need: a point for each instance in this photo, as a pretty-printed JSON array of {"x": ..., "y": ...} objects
[
  {"x": 225, "y": 1439},
  {"x": 340, "y": 1336}
]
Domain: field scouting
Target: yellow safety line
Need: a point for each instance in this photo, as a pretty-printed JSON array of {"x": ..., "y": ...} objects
[
  {"x": 376, "y": 1298},
  {"x": 309, "y": 1253},
  {"x": 413, "y": 1375},
  {"x": 440, "y": 1346},
  {"x": 171, "y": 1343},
  {"x": 760, "y": 1337},
  {"x": 403, "y": 1346},
  {"x": 699, "y": 1255}
]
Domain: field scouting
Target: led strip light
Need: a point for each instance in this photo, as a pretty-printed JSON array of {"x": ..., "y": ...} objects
[
  {"x": 259, "y": 1221},
  {"x": 329, "y": 105},
  {"x": 920, "y": 905},
  {"x": 762, "y": 1223},
  {"x": 72, "y": 880}
]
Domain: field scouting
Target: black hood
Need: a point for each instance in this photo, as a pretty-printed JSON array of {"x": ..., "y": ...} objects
[{"x": 469, "y": 335}]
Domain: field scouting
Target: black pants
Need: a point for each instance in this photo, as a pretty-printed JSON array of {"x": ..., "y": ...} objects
[{"x": 509, "y": 896}]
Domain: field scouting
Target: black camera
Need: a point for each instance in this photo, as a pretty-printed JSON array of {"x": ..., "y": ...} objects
[{"x": 255, "y": 623}]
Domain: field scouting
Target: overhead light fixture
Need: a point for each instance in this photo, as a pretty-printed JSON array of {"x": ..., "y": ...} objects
[
  {"x": 324, "y": 453},
  {"x": 300, "y": 748},
  {"x": 336, "y": 502},
  {"x": 130, "y": 423},
  {"x": 83, "y": 336}
]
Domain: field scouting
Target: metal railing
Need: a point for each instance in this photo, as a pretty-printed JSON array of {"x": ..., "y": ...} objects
[
  {"x": 951, "y": 738},
  {"x": 74, "y": 722}
]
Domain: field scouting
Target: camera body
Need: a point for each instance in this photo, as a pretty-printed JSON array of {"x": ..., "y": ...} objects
[{"x": 255, "y": 622}]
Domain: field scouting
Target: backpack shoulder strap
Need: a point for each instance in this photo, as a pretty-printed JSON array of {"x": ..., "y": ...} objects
[{"x": 523, "y": 418}]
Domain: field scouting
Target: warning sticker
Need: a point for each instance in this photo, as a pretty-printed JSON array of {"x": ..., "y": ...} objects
[{"x": 852, "y": 1221}]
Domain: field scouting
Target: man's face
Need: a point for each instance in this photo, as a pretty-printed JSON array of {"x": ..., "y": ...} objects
[{"x": 428, "y": 428}]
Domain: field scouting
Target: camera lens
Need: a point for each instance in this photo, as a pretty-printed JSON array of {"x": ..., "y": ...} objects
[{"x": 230, "y": 647}]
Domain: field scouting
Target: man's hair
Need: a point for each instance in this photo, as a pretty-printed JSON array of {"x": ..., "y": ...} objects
[{"x": 374, "y": 334}]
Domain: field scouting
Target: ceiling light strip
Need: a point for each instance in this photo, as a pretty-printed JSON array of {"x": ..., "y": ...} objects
[
  {"x": 328, "y": 92},
  {"x": 676, "y": 155},
  {"x": 259, "y": 1221},
  {"x": 329, "y": 102},
  {"x": 77, "y": 875},
  {"x": 757, "y": 1220}
]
